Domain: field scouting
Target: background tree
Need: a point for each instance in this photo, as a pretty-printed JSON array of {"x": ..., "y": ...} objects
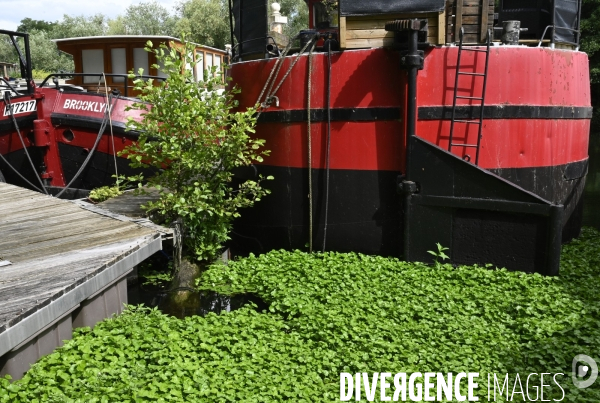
[
  {"x": 149, "y": 18},
  {"x": 80, "y": 25},
  {"x": 116, "y": 26},
  {"x": 297, "y": 13},
  {"x": 28, "y": 25},
  {"x": 590, "y": 43},
  {"x": 7, "y": 53},
  {"x": 45, "y": 55},
  {"x": 206, "y": 21}
]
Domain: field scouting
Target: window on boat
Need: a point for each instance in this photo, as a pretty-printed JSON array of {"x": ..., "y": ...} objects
[
  {"x": 188, "y": 67},
  {"x": 161, "y": 69},
  {"x": 199, "y": 68},
  {"x": 92, "y": 62},
  {"x": 218, "y": 62},
  {"x": 119, "y": 63},
  {"x": 209, "y": 62},
  {"x": 140, "y": 60},
  {"x": 320, "y": 16}
]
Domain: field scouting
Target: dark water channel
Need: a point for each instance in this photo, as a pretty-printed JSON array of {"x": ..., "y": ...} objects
[
  {"x": 198, "y": 303},
  {"x": 591, "y": 198},
  {"x": 170, "y": 301}
]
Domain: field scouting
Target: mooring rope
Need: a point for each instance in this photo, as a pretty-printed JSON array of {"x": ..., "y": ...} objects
[
  {"x": 274, "y": 72},
  {"x": 112, "y": 137},
  {"x": 271, "y": 94},
  {"x": 107, "y": 113},
  {"x": 177, "y": 226},
  {"x": 328, "y": 144},
  {"x": 310, "y": 185},
  {"x": 19, "y": 174}
]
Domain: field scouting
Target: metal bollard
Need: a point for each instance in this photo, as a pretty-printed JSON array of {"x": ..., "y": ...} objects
[{"x": 510, "y": 32}]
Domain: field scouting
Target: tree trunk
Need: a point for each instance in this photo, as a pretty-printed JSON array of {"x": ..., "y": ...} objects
[{"x": 184, "y": 300}]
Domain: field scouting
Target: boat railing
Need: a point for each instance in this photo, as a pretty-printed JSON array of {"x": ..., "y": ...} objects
[
  {"x": 101, "y": 76},
  {"x": 577, "y": 32},
  {"x": 8, "y": 84},
  {"x": 270, "y": 48}
]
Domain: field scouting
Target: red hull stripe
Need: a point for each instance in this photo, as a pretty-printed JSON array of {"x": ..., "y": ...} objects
[
  {"x": 515, "y": 143},
  {"x": 9, "y": 139},
  {"x": 536, "y": 115},
  {"x": 379, "y": 145},
  {"x": 354, "y": 145},
  {"x": 372, "y": 77}
]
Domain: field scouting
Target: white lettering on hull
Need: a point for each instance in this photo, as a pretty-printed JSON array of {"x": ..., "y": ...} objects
[{"x": 88, "y": 106}]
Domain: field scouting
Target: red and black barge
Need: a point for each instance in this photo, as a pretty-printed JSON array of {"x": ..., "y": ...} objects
[
  {"x": 396, "y": 125},
  {"x": 65, "y": 138}
]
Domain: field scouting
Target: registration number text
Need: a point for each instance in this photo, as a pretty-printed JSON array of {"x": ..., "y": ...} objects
[{"x": 20, "y": 107}]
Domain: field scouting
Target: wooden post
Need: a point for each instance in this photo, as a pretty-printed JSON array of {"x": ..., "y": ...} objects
[
  {"x": 458, "y": 19},
  {"x": 342, "y": 32},
  {"x": 484, "y": 20},
  {"x": 441, "y": 28}
]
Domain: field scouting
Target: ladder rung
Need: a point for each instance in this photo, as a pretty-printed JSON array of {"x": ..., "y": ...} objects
[
  {"x": 463, "y": 145},
  {"x": 477, "y": 122},
  {"x": 461, "y": 97},
  {"x": 475, "y": 50},
  {"x": 471, "y": 74}
]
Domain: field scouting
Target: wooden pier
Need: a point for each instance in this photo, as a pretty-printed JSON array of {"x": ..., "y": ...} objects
[{"x": 61, "y": 267}]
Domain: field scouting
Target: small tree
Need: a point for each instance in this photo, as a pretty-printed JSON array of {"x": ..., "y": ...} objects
[{"x": 193, "y": 138}]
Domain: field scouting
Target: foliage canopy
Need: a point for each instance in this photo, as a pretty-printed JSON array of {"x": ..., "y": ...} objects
[{"x": 193, "y": 139}]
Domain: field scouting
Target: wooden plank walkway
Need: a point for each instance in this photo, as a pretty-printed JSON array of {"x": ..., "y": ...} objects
[
  {"x": 129, "y": 202},
  {"x": 54, "y": 255}
]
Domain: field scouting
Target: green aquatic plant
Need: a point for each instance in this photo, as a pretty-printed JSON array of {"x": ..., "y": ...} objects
[
  {"x": 439, "y": 254},
  {"x": 104, "y": 193},
  {"x": 330, "y": 313}
]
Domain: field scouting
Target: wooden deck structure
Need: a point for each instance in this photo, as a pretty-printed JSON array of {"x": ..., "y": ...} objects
[{"x": 61, "y": 266}]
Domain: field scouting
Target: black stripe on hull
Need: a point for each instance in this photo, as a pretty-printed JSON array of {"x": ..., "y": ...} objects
[
  {"x": 91, "y": 123},
  {"x": 505, "y": 112},
  {"x": 25, "y": 125},
  {"x": 337, "y": 115},
  {"x": 19, "y": 161},
  {"x": 99, "y": 171},
  {"x": 428, "y": 113},
  {"x": 365, "y": 212},
  {"x": 560, "y": 184}
]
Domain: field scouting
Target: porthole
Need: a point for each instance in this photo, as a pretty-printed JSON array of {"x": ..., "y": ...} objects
[{"x": 68, "y": 135}]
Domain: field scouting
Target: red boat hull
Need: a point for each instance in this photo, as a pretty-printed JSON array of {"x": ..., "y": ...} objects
[
  {"x": 535, "y": 134},
  {"x": 61, "y": 133}
]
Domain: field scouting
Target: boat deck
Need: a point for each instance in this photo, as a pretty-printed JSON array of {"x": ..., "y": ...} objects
[{"x": 55, "y": 257}]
